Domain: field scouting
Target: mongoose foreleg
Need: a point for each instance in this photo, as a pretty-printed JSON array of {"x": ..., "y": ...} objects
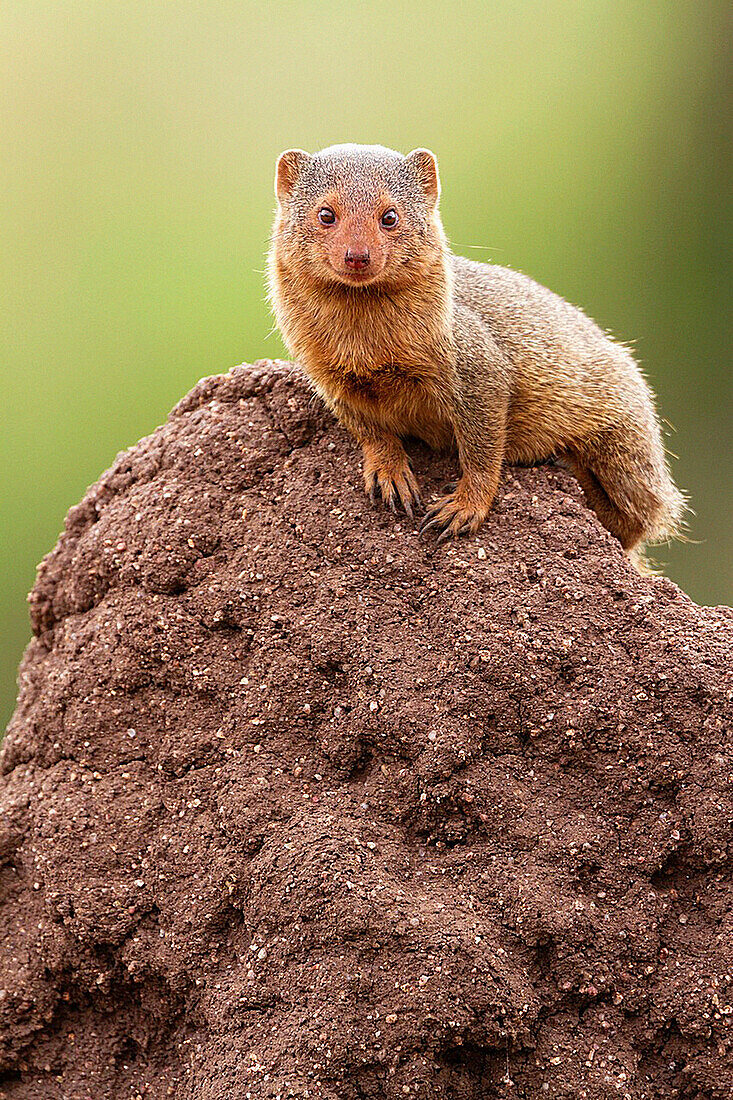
[
  {"x": 479, "y": 419},
  {"x": 481, "y": 453},
  {"x": 387, "y": 470}
]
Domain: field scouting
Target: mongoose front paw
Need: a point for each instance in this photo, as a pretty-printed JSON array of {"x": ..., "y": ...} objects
[
  {"x": 453, "y": 515},
  {"x": 397, "y": 488}
]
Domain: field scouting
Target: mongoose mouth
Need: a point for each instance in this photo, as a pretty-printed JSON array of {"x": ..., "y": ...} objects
[
  {"x": 357, "y": 276},
  {"x": 351, "y": 277}
]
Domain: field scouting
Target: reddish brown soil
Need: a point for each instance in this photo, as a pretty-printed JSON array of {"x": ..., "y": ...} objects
[{"x": 296, "y": 805}]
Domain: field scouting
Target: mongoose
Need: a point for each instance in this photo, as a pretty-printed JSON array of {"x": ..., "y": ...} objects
[{"x": 404, "y": 339}]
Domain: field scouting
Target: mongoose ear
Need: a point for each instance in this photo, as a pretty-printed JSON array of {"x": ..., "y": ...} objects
[
  {"x": 426, "y": 166},
  {"x": 289, "y": 167}
]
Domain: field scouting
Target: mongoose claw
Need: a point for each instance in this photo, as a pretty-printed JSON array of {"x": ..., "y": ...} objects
[
  {"x": 454, "y": 532},
  {"x": 430, "y": 522},
  {"x": 407, "y": 506}
]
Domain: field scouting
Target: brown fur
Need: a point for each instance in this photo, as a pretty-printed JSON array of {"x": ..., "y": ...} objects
[{"x": 426, "y": 344}]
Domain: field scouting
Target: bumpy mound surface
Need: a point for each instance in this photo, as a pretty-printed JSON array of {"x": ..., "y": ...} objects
[{"x": 296, "y": 805}]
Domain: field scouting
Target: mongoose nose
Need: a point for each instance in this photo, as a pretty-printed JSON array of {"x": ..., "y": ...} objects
[{"x": 357, "y": 261}]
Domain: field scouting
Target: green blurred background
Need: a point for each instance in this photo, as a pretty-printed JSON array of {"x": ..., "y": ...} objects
[{"x": 586, "y": 144}]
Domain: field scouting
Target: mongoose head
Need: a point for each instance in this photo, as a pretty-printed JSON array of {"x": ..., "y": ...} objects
[{"x": 357, "y": 215}]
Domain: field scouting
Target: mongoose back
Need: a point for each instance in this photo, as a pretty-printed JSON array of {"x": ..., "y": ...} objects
[{"x": 404, "y": 339}]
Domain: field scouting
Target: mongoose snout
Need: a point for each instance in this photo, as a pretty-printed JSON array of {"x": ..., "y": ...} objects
[{"x": 357, "y": 260}]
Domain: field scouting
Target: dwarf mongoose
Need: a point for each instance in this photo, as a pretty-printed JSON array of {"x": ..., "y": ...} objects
[{"x": 402, "y": 338}]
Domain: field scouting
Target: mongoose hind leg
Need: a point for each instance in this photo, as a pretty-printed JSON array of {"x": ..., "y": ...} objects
[
  {"x": 624, "y": 474},
  {"x": 627, "y": 529}
]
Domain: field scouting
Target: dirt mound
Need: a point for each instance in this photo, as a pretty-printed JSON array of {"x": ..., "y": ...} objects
[{"x": 296, "y": 805}]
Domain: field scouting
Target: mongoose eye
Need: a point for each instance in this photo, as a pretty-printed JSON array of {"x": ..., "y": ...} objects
[
  {"x": 389, "y": 218},
  {"x": 326, "y": 216}
]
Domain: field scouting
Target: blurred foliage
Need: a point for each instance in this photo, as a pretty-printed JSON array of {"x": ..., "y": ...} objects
[{"x": 585, "y": 144}]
